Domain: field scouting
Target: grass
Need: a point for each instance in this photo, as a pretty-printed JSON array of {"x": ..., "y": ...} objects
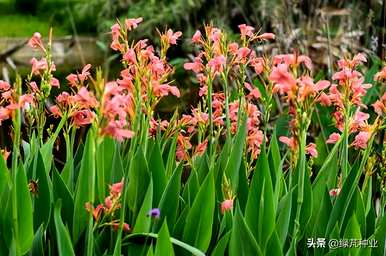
[{"x": 17, "y": 25}]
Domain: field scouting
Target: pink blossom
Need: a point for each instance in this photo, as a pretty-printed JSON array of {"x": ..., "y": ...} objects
[
  {"x": 242, "y": 53},
  {"x": 233, "y": 48},
  {"x": 115, "y": 31},
  {"x": 288, "y": 141},
  {"x": 132, "y": 23},
  {"x": 85, "y": 98},
  {"x": 85, "y": 73},
  {"x": 116, "y": 188},
  {"x": 196, "y": 37},
  {"x": 36, "y": 41},
  {"x": 4, "y": 114},
  {"x": 82, "y": 117},
  {"x": 55, "y": 111},
  {"x": 334, "y": 192},
  {"x": 361, "y": 139},
  {"x": 38, "y": 65},
  {"x": 4, "y": 86},
  {"x": 283, "y": 80},
  {"x": 381, "y": 75},
  {"x": 195, "y": 66},
  {"x": 324, "y": 99},
  {"x": 246, "y": 30},
  {"x": 200, "y": 149},
  {"x": 226, "y": 205},
  {"x": 161, "y": 90},
  {"x": 203, "y": 91},
  {"x": 334, "y": 137},
  {"x": 117, "y": 46},
  {"x": 311, "y": 150},
  {"x": 55, "y": 82},
  {"x": 72, "y": 80},
  {"x": 115, "y": 130},
  {"x": 293, "y": 60},
  {"x": 172, "y": 37},
  {"x": 217, "y": 64},
  {"x": 266, "y": 36},
  {"x": 379, "y": 107}
]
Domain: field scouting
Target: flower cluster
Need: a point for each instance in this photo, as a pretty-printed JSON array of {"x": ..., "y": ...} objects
[
  {"x": 103, "y": 214},
  {"x": 80, "y": 106}
]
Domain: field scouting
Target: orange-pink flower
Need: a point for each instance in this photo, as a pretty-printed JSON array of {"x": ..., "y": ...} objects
[
  {"x": 334, "y": 137},
  {"x": 226, "y": 205},
  {"x": 132, "y": 23},
  {"x": 246, "y": 30},
  {"x": 361, "y": 139},
  {"x": 311, "y": 150}
]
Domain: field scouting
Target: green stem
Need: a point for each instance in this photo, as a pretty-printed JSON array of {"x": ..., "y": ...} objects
[
  {"x": 301, "y": 171},
  {"x": 226, "y": 93}
]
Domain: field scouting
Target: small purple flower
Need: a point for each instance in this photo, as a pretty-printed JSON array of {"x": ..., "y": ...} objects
[{"x": 154, "y": 213}]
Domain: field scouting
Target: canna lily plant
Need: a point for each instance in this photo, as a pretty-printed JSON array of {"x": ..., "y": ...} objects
[{"x": 237, "y": 174}]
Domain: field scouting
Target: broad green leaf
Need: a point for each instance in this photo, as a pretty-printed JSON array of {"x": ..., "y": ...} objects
[
  {"x": 284, "y": 216},
  {"x": 233, "y": 166},
  {"x": 164, "y": 245},
  {"x": 117, "y": 172},
  {"x": 37, "y": 245},
  {"x": 353, "y": 231},
  {"x": 274, "y": 246},
  {"x": 242, "y": 241},
  {"x": 61, "y": 192},
  {"x": 44, "y": 197},
  {"x": 194, "y": 251},
  {"x": 138, "y": 181},
  {"x": 105, "y": 153},
  {"x": 170, "y": 199},
  {"x": 24, "y": 212},
  {"x": 274, "y": 158},
  {"x": 221, "y": 245},
  {"x": 198, "y": 226},
  {"x": 84, "y": 188},
  {"x": 158, "y": 173},
  {"x": 63, "y": 237},
  {"x": 143, "y": 222}
]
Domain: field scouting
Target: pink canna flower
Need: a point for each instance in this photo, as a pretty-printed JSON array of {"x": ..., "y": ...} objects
[
  {"x": 172, "y": 37},
  {"x": 132, "y": 23},
  {"x": 324, "y": 99},
  {"x": 115, "y": 31},
  {"x": 217, "y": 64},
  {"x": 5, "y": 154},
  {"x": 116, "y": 188},
  {"x": 226, "y": 205},
  {"x": 200, "y": 149},
  {"x": 161, "y": 90},
  {"x": 293, "y": 60},
  {"x": 334, "y": 137},
  {"x": 55, "y": 82},
  {"x": 283, "y": 80},
  {"x": 4, "y": 86},
  {"x": 290, "y": 142},
  {"x": 361, "y": 139},
  {"x": 266, "y": 36},
  {"x": 85, "y": 99},
  {"x": 254, "y": 93},
  {"x": 38, "y": 65},
  {"x": 242, "y": 54},
  {"x": 82, "y": 117},
  {"x": 55, "y": 111},
  {"x": 196, "y": 37},
  {"x": 334, "y": 192},
  {"x": 358, "y": 59},
  {"x": 195, "y": 66},
  {"x": 311, "y": 150},
  {"x": 381, "y": 75},
  {"x": 117, "y": 46},
  {"x": 72, "y": 80},
  {"x": 85, "y": 73},
  {"x": 4, "y": 114},
  {"x": 359, "y": 121},
  {"x": 246, "y": 31},
  {"x": 36, "y": 41},
  {"x": 233, "y": 48},
  {"x": 203, "y": 91}
]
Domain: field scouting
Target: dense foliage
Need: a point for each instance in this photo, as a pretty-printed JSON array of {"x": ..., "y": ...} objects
[{"x": 250, "y": 170}]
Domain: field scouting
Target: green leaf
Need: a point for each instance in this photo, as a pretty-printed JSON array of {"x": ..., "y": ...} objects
[
  {"x": 61, "y": 192},
  {"x": 284, "y": 216},
  {"x": 43, "y": 199},
  {"x": 164, "y": 245},
  {"x": 221, "y": 245},
  {"x": 274, "y": 246},
  {"x": 105, "y": 152},
  {"x": 24, "y": 212},
  {"x": 198, "y": 226},
  {"x": 187, "y": 247},
  {"x": 138, "y": 181},
  {"x": 63, "y": 237},
  {"x": 233, "y": 166},
  {"x": 157, "y": 169},
  {"x": 242, "y": 241},
  {"x": 37, "y": 245},
  {"x": 353, "y": 231},
  {"x": 170, "y": 199},
  {"x": 84, "y": 188},
  {"x": 143, "y": 222}
]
